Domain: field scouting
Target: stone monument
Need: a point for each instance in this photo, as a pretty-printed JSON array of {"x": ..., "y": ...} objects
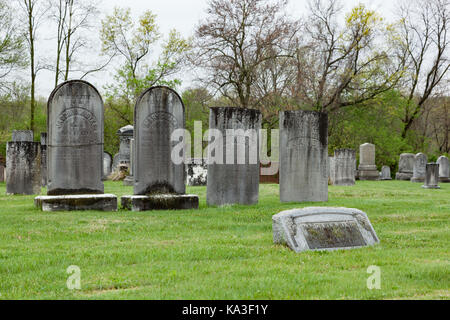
[
  {"x": 419, "y": 169},
  {"x": 23, "y": 168},
  {"x": 159, "y": 182},
  {"x": 196, "y": 172},
  {"x": 75, "y": 150},
  {"x": 107, "y": 165},
  {"x": 367, "y": 168},
  {"x": 444, "y": 169},
  {"x": 44, "y": 158},
  {"x": 303, "y": 156},
  {"x": 342, "y": 167},
  {"x": 129, "y": 180},
  {"x": 405, "y": 167},
  {"x": 321, "y": 228},
  {"x": 385, "y": 173},
  {"x": 234, "y": 165},
  {"x": 431, "y": 176},
  {"x": 22, "y": 136}
]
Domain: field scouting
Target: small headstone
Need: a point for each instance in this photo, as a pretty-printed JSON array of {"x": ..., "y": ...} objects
[
  {"x": 432, "y": 176},
  {"x": 75, "y": 149},
  {"x": 303, "y": 156},
  {"x": 115, "y": 163},
  {"x": 22, "y": 136},
  {"x": 342, "y": 167},
  {"x": 323, "y": 228},
  {"x": 196, "y": 172},
  {"x": 107, "y": 165},
  {"x": 367, "y": 168},
  {"x": 444, "y": 169},
  {"x": 405, "y": 167},
  {"x": 385, "y": 173},
  {"x": 233, "y": 176},
  {"x": 419, "y": 169},
  {"x": 23, "y": 168},
  {"x": 159, "y": 182},
  {"x": 44, "y": 158},
  {"x": 125, "y": 135},
  {"x": 129, "y": 180}
]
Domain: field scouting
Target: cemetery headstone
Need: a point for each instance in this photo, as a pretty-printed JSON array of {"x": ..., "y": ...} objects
[
  {"x": 196, "y": 172},
  {"x": 159, "y": 182},
  {"x": 107, "y": 165},
  {"x": 23, "y": 168},
  {"x": 367, "y": 168},
  {"x": 22, "y": 136},
  {"x": 75, "y": 150},
  {"x": 44, "y": 158},
  {"x": 419, "y": 169},
  {"x": 2, "y": 173},
  {"x": 444, "y": 169},
  {"x": 234, "y": 165},
  {"x": 303, "y": 156},
  {"x": 431, "y": 176},
  {"x": 129, "y": 180},
  {"x": 321, "y": 228},
  {"x": 125, "y": 135},
  {"x": 342, "y": 167},
  {"x": 385, "y": 173},
  {"x": 405, "y": 167}
]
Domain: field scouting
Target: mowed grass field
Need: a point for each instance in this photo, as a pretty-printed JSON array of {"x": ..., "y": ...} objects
[{"x": 225, "y": 253}]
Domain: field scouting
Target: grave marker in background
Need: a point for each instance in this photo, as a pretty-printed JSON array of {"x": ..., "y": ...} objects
[
  {"x": 342, "y": 167},
  {"x": 444, "y": 169},
  {"x": 405, "y": 167},
  {"x": 367, "y": 168},
  {"x": 419, "y": 169}
]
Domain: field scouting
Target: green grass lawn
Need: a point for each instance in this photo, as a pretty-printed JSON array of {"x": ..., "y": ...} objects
[{"x": 225, "y": 253}]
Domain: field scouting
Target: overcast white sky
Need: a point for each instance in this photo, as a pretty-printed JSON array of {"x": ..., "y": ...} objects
[{"x": 182, "y": 15}]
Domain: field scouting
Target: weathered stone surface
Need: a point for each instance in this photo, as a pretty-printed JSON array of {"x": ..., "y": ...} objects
[
  {"x": 23, "y": 168},
  {"x": 129, "y": 180},
  {"x": 22, "y": 136},
  {"x": 2, "y": 173},
  {"x": 342, "y": 167},
  {"x": 303, "y": 156},
  {"x": 419, "y": 169},
  {"x": 233, "y": 178},
  {"x": 444, "y": 169},
  {"x": 405, "y": 167},
  {"x": 75, "y": 139},
  {"x": 196, "y": 172},
  {"x": 98, "y": 202},
  {"x": 367, "y": 169},
  {"x": 116, "y": 163},
  {"x": 319, "y": 228},
  {"x": 44, "y": 158},
  {"x": 125, "y": 135},
  {"x": 107, "y": 165},
  {"x": 431, "y": 176},
  {"x": 158, "y": 112},
  {"x": 160, "y": 202},
  {"x": 385, "y": 173}
]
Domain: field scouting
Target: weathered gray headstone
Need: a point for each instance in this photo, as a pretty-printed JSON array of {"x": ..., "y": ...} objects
[
  {"x": 405, "y": 167},
  {"x": 444, "y": 169},
  {"x": 129, "y": 180},
  {"x": 159, "y": 111},
  {"x": 342, "y": 167},
  {"x": 44, "y": 158},
  {"x": 385, "y": 173},
  {"x": 197, "y": 172},
  {"x": 116, "y": 162},
  {"x": 107, "y": 165},
  {"x": 419, "y": 169},
  {"x": 367, "y": 168},
  {"x": 233, "y": 176},
  {"x": 23, "y": 168},
  {"x": 125, "y": 135},
  {"x": 303, "y": 156},
  {"x": 75, "y": 149},
  {"x": 2, "y": 173},
  {"x": 22, "y": 136},
  {"x": 321, "y": 228},
  {"x": 431, "y": 176}
]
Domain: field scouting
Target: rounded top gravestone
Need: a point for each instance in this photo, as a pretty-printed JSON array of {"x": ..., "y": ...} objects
[
  {"x": 444, "y": 168},
  {"x": 406, "y": 163},
  {"x": 419, "y": 169},
  {"x": 75, "y": 139},
  {"x": 159, "y": 111}
]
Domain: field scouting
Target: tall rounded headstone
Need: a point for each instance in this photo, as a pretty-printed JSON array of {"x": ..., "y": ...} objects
[
  {"x": 303, "y": 156},
  {"x": 431, "y": 176},
  {"x": 367, "y": 168},
  {"x": 419, "y": 169},
  {"x": 233, "y": 170},
  {"x": 342, "y": 167},
  {"x": 444, "y": 169},
  {"x": 23, "y": 168}
]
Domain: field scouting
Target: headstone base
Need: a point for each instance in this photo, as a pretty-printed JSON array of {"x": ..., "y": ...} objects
[
  {"x": 417, "y": 179},
  {"x": 371, "y": 175},
  {"x": 386, "y": 179},
  {"x": 403, "y": 176},
  {"x": 128, "y": 181},
  {"x": 160, "y": 202},
  {"x": 98, "y": 202},
  {"x": 431, "y": 187}
]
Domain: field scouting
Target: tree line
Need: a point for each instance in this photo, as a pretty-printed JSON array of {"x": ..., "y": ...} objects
[{"x": 380, "y": 81}]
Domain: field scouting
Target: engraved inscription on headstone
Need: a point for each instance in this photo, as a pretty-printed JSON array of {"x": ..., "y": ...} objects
[
  {"x": 22, "y": 136},
  {"x": 419, "y": 169},
  {"x": 342, "y": 167},
  {"x": 444, "y": 169},
  {"x": 321, "y": 228},
  {"x": 125, "y": 135},
  {"x": 303, "y": 156}
]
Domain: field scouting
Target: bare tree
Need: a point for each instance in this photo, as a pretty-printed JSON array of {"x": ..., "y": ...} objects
[
  {"x": 235, "y": 40},
  {"x": 423, "y": 37}
]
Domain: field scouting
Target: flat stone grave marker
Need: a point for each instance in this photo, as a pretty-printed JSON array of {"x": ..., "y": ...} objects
[
  {"x": 321, "y": 228},
  {"x": 75, "y": 150}
]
